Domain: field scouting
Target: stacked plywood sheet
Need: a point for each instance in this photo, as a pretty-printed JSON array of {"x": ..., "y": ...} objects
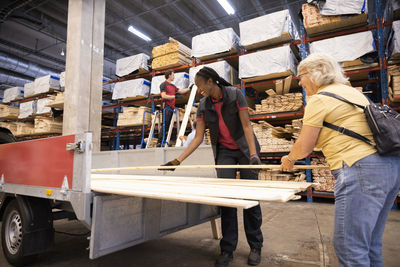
[
  {"x": 170, "y": 55},
  {"x": 280, "y": 103},
  {"x": 277, "y": 175},
  {"x": 394, "y": 83},
  {"x": 8, "y": 112},
  {"x": 10, "y": 126},
  {"x": 58, "y": 101},
  {"x": 23, "y": 129},
  {"x": 45, "y": 125},
  {"x": 269, "y": 143},
  {"x": 133, "y": 116},
  {"x": 315, "y": 23},
  {"x": 322, "y": 176}
]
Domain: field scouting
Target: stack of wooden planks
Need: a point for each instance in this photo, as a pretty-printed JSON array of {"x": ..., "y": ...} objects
[
  {"x": 394, "y": 83},
  {"x": 277, "y": 175},
  {"x": 268, "y": 142},
  {"x": 323, "y": 176},
  {"x": 210, "y": 191},
  {"x": 133, "y": 116},
  {"x": 58, "y": 101},
  {"x": 46, "y": 125},
  {"x": 170, "y": 55},
  {"x": 8, "y": 112},
  {"x": 10, "y": 126},
  {"x": 23, "y": 129},
  {"x": 280, "y": 103}
]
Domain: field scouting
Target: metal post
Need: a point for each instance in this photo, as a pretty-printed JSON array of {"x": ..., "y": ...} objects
[{"x": 381, "y": 51}]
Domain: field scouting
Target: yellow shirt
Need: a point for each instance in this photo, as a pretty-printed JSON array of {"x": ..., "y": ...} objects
[{"x": 339, "y": 147}]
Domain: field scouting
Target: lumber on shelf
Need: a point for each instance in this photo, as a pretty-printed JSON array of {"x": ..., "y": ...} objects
[{"x": 302, "y": 167}]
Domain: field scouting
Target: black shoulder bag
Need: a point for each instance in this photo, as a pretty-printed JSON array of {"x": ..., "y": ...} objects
[{"x": 383, "y": 121}]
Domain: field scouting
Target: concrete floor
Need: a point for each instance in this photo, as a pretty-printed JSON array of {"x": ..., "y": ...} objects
[{"x": 295, "y": 234}]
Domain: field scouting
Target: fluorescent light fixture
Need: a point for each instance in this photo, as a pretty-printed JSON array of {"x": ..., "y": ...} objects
[
  {"x": 139, "y": 33},
  {"x": 228, "y": 8}
]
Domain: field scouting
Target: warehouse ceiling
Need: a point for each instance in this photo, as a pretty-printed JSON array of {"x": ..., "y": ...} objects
[{"x": 33, "y": 33}]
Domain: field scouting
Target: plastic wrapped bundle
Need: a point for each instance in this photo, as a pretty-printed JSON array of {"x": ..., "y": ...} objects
[
  {"x": 209, "y": 45},
  {"x": 13, "y": 93},
  {"x": 46, "y": 84},
  {"x": 394, "y": 41},
  {"x": 29, "y": 89},
  {"x": 62, "y": 79},
  {"x": 181, "y": 81},
  {"x": 131, "y": 88},
  {"x": 347, "y": 47},
  {"x": 26, "y": 109},
  {"x": 127, "y": 65},
  {"x": 41, "y": 107},
  {"x": 340, "y": 7},
  {"x": 269, "y": 29},
  {"x": 267, "y": 64},
  {"x": 221, "y": 67}
]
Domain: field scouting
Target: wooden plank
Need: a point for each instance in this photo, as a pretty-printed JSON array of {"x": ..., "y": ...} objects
[
  {"x": 279, "y": 87},
  {"x": 186, "y": 116},
  {"x": 215, "y": 229},
  {"x": 226, "y": 202},
  {"x": 262, "y": 194},
  {"x": 300, "y": 167},
  {"x": 287, "y": 84},
  {"x": 285, "y": 37},
  {"x": 218, "y": 55}
]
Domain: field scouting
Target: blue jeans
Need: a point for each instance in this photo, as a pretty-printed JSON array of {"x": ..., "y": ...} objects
[{"x": 364, "y": 193}]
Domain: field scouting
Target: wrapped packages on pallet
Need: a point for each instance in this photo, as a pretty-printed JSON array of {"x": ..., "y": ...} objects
[
  {"x": 132, "y": 116},
  {"x": 23, "y": 129},
  {"x": 394, "y": 40},
  {"x": 13, "y": 93},
  {"x": 131, "y": 88},
  {"x": 46, "y": 84},
  {"x": 62, "y": 79},
  {"x": 136, "y": 63},
  {"x": 44, "y": 125},
  {"x": 221, "y": 67},
  {"x": 340, "y": 7},
  {"x": 29, "y": 89},
  {"x": 346, "y": 47},
  {"x": 27, "y": 109},
  {"x": 41, "y": 105},
  {"x": 269, "y": 29},
  {"x": 267, "y": 64},
  {"x": 181, "y": 81},
  {"x": 8, "y": 112},
  {"x": 216, "y": 42}
]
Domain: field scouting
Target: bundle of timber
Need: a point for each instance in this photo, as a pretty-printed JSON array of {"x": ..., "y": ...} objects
[
  {"x": 29, "y": 89},
  {"x": 45, "y": 84},
  {"x": 393, "y": 73},
  {"x": 322, "y": 176},
  {"x": 348, "y": 49},
  {"x": 45, "y": 125},
  {"x": 267, "y": 64},
  {"x": 58, "y": 101},
  {"x": 317, "y": 23},
  {"x": 280, "y": 103},
  {"x": 181, "y": 81},
  {"x": 268, "y": 142},
  {"x": 27, "y": 109},
  {"x": 131, "y": 89},
  {"x": 223, "y": 69},
  {"x": 134, "y": 64},
  {"x": 172, "y": 54},
  {"x": 259, "y": 32},
  {"x": 41, "y": 105},
  {"x": 211, "y": 191},
  {"x": 8, "y": 112},
  {"x": 133, "y": 116},
  {"x": 13, "y": 93},
  {"x": 215, "y": 44},
  {"x": 10, "y": 126},
  {"x": 277, "y": 175},
  {"x": 23, "y": 129}
]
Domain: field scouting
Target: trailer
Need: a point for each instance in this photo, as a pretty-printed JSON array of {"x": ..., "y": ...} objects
[{"x": 49, "y": 179}]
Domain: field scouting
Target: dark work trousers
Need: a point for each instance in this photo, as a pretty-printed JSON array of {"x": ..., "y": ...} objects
[
  {"x": 252, "y": 217},
  {"x": 168, "y": 117}
]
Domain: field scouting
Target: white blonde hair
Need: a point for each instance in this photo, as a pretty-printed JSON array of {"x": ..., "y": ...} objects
[{"x": 322, "y": 70}]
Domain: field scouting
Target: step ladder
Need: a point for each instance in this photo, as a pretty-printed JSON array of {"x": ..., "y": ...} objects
[{"x": 157, "y": 120}]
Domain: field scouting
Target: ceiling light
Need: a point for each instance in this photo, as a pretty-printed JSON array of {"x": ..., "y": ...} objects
[
  {"x": 62, "y": 52},
  {"x": 228, "y": 8},
  {"x": 139, "y": 33}
]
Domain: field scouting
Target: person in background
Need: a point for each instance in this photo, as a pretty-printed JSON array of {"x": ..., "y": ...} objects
[
  {"x": 366, "y": 182},
  {"x": 223, "y": 109},
  {"x": 168, "y": 92},
  {"x": 188, "y": 140}
]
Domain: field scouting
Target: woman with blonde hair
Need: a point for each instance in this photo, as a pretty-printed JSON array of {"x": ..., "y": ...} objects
[{"x": 366, "y": 182}]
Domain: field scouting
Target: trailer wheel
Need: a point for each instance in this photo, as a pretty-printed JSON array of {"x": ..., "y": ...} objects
[
  {"x": 6, "y": 136},
  {"x": 12, "y": 235}
]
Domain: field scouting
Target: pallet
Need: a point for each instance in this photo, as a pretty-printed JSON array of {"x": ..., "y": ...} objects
[
  {"x": 284, "y": 38},
  {"x": 233, "y": 51}
]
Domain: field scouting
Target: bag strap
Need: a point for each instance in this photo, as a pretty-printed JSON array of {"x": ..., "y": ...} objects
[
  {"x": 341, "y": 98},
  {"x": 348, "y": 132}
]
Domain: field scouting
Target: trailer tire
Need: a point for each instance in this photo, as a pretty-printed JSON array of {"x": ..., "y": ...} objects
[
  {"x": 12, "y": 238},
  {"x": 6, "y": 136}
]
